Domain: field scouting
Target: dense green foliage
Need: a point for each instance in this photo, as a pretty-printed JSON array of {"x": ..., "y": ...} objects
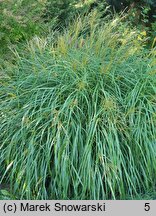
[
  {"x": 78, "y": 117},
  {"x": 20, "y": 20},
  {"x": 62, "y": 11},
  {"x": 141, "y": 13}
]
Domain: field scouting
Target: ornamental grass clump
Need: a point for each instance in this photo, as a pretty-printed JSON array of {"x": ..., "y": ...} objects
[{"x": 78, "y": 116}]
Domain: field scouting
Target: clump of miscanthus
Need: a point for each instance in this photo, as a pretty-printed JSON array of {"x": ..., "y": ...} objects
[{"x": 78, "y": 115}]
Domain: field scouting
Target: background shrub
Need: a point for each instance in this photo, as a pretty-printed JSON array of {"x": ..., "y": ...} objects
[{"x": 19, "y": 21}]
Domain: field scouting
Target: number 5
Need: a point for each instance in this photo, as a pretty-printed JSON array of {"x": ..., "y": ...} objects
[{"x": 147, "y": 207}]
